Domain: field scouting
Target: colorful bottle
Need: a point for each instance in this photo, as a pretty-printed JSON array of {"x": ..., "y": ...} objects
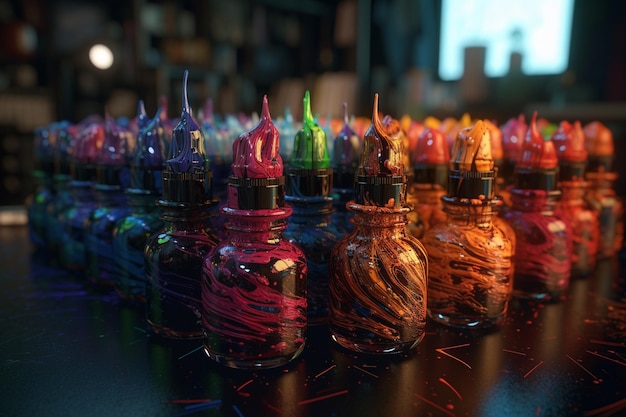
[
  {"x": 430, "y": 166},
  {"x": 470, "y": 256},
  {"x": 601, "y": 193},
  {"x": 579, "y": 216},
  {"x": 254, "y": 282},
  {"x": 347, "y": 149},
  {"x": 112, "y": 179},
  {"x": 63, "y": 141},
  {"x": 308, "y": 189},
  {"x": 378, "y": 278},
  {"x": 43, "y": 195},
  {"x": 174, "y": 255},
  {"x": 513, "y": 134},
  {"x": 542, "y": 255},
  {"x": 132, "y": 232},
  {"x": 83, "y": 158}
]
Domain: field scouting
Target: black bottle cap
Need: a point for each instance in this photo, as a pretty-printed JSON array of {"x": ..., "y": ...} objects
[
  {"x": 535, "y": 178},
  {"x": 471, "y": 184},
  {"x": 112, "y": 176},
  {"x": 258, "y": 193},
  {"x": 377, "y": 190},
  {"x": 570, "y": 171},
  {"x": 309, "y": 182},
  {"x": 187, "y": 187},
  {"x": 431, "y": 174},
  {"x": 599, "y": 163},
  {"x": 83, "y": 172},
  {"x": 148, "y": 180}
]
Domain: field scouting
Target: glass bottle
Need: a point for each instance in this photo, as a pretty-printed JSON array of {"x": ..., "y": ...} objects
[
  {"x": 378, "y": 281},
  {"x": 430, "y": 166},
  {"x": 309, "y": 194},
  {"x": 542, "y": 260},
  {"x": 88, "y": 142},
  {"x": 470, "y": 256},
  {"x": 346, "y": 151},
  {"x": 62, "y": 140},
  {"x": 254, "y": 282},
  {"x": 543, "y": 251},
  {"x": 132, "y": 232},
  {"x": 173, "y": 256},
  {"x": 471, "y": 267},
  {"x": 601, "y": 192},
  {"x": 173, "y": 262},
  {"x": 113, "y": 177},
  {"x": 580, "y": 217},
  {"x": 610, "y": 208},
  {"x": 43, "y": 193}
]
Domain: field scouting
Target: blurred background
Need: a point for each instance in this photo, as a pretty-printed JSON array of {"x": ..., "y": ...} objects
[{"x": 490, "y": 58}]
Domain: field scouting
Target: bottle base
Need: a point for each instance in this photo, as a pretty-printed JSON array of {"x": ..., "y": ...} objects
[
  {"x": 547, "y": 296},
  {"x": 464, "y": 321},
  {"x": 375, "y": 348},
  {"x": 167, "y": 333},
  {"x": 252, "y": 363}
]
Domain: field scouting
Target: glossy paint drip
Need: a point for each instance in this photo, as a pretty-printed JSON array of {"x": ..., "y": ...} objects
[
  {"x": 542, "y": 256},
  {"x": 174, "y": 255},
  {"x": 470, "y": 256},
  {"x": 254, "y": 306},
  {"x": 378, "y": 279},
  {"x": 580, "y": 217},
  {"x": 132, "y": 232}
]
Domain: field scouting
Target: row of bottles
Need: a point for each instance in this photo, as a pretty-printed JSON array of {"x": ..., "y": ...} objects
[{"x": 371, "y": 240}]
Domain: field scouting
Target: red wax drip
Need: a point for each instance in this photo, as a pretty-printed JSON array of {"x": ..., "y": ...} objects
[
  {"x": 537, "y": 152},
  {"x": 89, "y": 141},
  {"x": 256, "y": 152},
  {"x": 569, "y": 141},
  {"x": 432, "y": 148},
  {"x": 513, "y": 133}
]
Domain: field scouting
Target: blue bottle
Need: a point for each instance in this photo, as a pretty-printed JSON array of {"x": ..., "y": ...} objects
[
  {"x": 308, "y": 190},
  {"x": 113, "y": 178},
  {"x": 132, "y": 232}
]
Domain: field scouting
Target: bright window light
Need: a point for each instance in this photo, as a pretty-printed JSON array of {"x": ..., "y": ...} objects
[
  {"x": 101, "y": 56},
  {"x": 538, "y": 29}
]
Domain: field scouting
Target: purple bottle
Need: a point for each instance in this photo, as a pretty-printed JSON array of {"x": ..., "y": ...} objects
[
  {"x": 173, "y": 256},
  {"x": 113, "y": 178}
]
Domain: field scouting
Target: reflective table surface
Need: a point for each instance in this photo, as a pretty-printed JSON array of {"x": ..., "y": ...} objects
[{"x": 67, "y": 349}]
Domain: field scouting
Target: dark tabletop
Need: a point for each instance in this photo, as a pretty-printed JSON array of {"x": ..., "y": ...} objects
[{"x": 70, "y": 350}]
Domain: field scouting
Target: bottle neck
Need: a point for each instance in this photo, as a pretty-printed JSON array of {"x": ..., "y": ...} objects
[
  {"x": 141, "y": 202},
  {"x": 256, "y": 226},
  {"x": 184, "y": 216},
  {"x": 573, "y": 192},
  {"x": 427, "y": 193},
  {"x": 374, "y": 217},
  {"x": 469, "y": 214},
  {"x": 314, "y": 213},
  {"x": 110, "y": 196},
  {"x": 535, "y": 201}
]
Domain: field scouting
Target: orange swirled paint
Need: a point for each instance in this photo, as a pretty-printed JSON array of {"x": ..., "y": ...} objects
[
  {"x": 377, "y": 285},
  {"x": 470, "y": 254}
]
